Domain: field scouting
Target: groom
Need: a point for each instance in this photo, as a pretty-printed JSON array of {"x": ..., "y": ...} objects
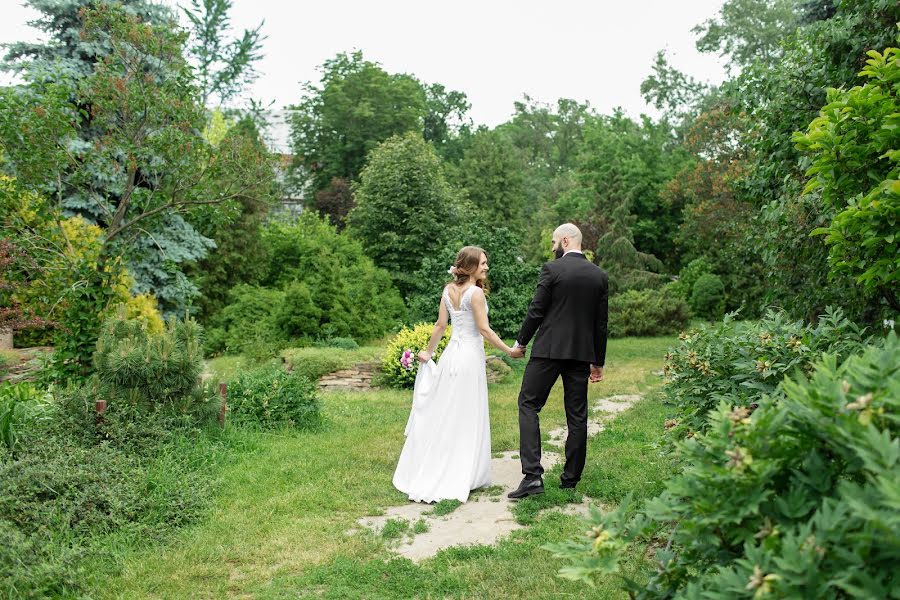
[{"x": 570, "y": 308}]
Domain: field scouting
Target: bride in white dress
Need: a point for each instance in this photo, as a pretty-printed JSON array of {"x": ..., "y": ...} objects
[{"x": 448, "y": 438}]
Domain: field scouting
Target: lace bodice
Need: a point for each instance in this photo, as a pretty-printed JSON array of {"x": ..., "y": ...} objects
[{"x": 463, "y": 319}]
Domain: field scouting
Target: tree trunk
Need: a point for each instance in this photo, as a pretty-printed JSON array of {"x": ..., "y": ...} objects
[{"x": 6, "y": 339}]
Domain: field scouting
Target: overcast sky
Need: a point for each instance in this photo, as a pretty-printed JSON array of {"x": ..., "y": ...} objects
[{"x": 493, "y": 50}]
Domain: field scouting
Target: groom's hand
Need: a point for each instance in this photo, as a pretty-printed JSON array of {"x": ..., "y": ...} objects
[
  {"x": 596, "y": 373},
  {"x": 518, "y": 352}
]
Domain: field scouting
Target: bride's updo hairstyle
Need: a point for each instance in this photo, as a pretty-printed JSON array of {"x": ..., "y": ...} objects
[{"x": 467, "y": 261}]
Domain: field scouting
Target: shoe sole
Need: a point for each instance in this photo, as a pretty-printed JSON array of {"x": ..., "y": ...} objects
[{"x": 526, "y": 495}]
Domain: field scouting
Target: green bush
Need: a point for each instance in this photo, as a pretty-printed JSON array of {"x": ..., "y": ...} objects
[
  {"x": 647, "y": 313},
  {"x": 855, "y": 166},
  {"x": 247, "y": 322},
  {"x": 272, "y": 397},
  {"x": 689, "y": 275},
  {"x": 795, "y": 499},
  {"x": 139, "y": 367},
  {"x": 708, "y": 297},
  {"x": 73, "y": 480},
  {"x": 415, "y": 339},
  {"x": 739, "y": 362},
  {"x": 353, "y": 298},
  {"x": 22, "y": 407}
]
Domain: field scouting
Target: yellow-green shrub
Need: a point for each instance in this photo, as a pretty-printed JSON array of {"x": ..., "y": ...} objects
[
  {"x": 143, "y": 308},
  {"x": 415, "y": 339}
]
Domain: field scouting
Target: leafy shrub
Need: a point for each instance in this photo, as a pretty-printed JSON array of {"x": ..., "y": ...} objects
[
  {"x": 313, "y": 363},
  {"x": 689, "y": 275},
  {"x": 708, "y": 297},
  {"x": 270, "y": 396},
  {"x": 139, "y": 367},
  {"x": 21, "y": 406},
  {"x": 298, "y": 316},
  {"x": 248, "y": 320},
  {"x": 352, "y": 296},
  {"x": 647, "y": 313},
  {"x": 855, "y": 153},
  {"x": 415, "y": 339},
  {"x": 796, "y": 499},
  {"x": 59, "y": 496},
  {"x": 739, "y": 362}
]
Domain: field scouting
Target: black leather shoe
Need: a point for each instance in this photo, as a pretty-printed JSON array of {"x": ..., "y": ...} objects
[
  {"x": 567, "y": 485},
  {"x": 528, "y": 487}
]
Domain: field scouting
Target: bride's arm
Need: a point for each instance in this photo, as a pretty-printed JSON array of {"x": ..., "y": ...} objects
[
  {"x": 479, "y": 308},
  {"x": 437, "y": 333}
]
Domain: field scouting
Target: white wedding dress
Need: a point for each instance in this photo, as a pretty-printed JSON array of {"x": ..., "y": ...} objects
[{"x": 448, "y": 437}]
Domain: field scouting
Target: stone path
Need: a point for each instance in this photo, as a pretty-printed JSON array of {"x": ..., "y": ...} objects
[
  {"x": 487, "y": 516},
  {"x": 359, "y": 378},
  {"x": 355, "y": 379}
]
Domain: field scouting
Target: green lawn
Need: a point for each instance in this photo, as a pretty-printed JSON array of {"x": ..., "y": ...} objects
[{"x": 286, "y": 499}]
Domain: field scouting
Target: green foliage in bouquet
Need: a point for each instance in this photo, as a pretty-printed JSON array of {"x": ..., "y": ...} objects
[
  {"x": 142, "y": 368},
  {"x": 739, "y": 362},
  {"x": 647, "y": 312},
  {"x": 410, "y": 338},
  {"x": 796, "y": 499},
  {"x": 272, "y": 397}
]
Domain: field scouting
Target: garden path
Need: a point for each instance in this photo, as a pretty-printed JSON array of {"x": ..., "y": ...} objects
[{"x": 488, "y": 515}]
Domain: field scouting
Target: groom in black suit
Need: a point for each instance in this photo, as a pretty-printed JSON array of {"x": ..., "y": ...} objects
[{"x": 569, "y": 313}]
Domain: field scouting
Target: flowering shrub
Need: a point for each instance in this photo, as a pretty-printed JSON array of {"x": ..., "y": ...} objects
[
  {"x": 739, "y": 362},
  {"x": 414, "y": 340},
  {"x": 795, "y": 499}
]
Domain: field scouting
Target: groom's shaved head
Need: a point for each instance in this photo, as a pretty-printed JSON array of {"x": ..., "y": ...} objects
[{"x": 568, "y": 230}]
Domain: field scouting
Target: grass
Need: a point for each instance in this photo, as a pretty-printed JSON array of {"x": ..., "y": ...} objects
[
  {"x": 8, "y": 358},
  {"x": 445, "y": 507},
  {"x": 284, "y": 505}
]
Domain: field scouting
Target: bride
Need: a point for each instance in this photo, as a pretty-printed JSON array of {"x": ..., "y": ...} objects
[{"x": 448, "y": 438}]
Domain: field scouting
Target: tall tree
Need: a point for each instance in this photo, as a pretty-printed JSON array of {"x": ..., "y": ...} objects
[
  {"x": 357, "y": 106},
  {"x": 224, "y": 67},
  {"x": 490, "y": 174},
  {"x": 626, "y": 164},
  {"x": 135, "y": 161},
  {"x": 66, "y": 55},
  {"x": 746, "y": 31},
  {"x": 404, "y": 206},
  {"x": 445, "y": 119}
]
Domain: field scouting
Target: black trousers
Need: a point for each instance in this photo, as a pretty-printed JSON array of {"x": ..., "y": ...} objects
[{"x": 540, "y": 376}]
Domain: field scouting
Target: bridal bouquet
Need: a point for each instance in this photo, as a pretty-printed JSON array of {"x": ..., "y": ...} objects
[{"x": 408, "y": 360}]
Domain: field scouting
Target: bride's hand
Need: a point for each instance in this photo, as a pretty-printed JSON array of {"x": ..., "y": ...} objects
[{"x": 424, "y": 357}]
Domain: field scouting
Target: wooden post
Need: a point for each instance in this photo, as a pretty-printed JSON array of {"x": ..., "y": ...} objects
[
  {"x": 223, "y": 392},
  {"x": 100, "y": 407}
]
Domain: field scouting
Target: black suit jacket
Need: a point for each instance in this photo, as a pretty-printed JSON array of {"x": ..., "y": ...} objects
[{"x": 570, "y": 307}]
